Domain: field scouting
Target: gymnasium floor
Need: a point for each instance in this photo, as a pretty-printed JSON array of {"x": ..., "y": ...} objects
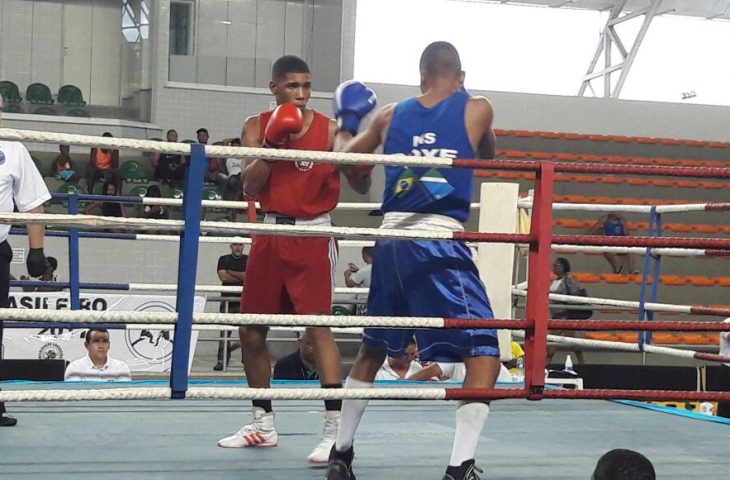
[{"x": 407, "y": 440}]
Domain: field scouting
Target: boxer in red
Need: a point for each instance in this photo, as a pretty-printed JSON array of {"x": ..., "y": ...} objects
[{"x": 291, "y": 274}]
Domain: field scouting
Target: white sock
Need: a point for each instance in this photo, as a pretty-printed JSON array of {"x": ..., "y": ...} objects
[
  {"x": 470, "y": 419},
  {"x": 352, "y": 411}
]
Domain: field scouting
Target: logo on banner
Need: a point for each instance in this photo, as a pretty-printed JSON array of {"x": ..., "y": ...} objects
[
  {"x": 152, "y": 345},
  {"x": 50, "y": 351}
]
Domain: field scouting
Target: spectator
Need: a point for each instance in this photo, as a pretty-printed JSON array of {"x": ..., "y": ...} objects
[
  {"x": 231, "y": 270},
  {"x": 48, "y": 276},
  {"x": 360, "y": 277},
  {"x": 104, "y": 165},
  {"x": 155, "y": 212},
  {"x": 98, "y": 365},
  {"x": 229, "y": 182},
  {"x": 169, "y": 167},
  {"x": 614, "y": 225},
  {"x": 62, "y": 167},
  {"x": 401, "y": 368},
  {"x": 213, "y": 165},
  {"x": 723, "y": 408},
  {"x": 621, "y": 464},
  {"x": 564, "y": 284},
  {"x": 108, "y": 209},
  {"x": 298, "y": 365}
]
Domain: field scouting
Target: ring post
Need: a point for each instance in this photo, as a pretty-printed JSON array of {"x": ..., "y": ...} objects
[
  {"x": 538, "y": 282},
  {"x": 73, "y": 255},
  {"x": 653, "y": 231},
  {"x": 187, "y": 270}
]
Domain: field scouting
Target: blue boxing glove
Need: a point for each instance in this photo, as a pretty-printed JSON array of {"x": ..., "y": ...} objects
[{"x": 353, "y": 100}]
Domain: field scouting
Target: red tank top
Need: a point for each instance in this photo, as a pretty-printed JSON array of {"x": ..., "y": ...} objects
[{"x": 302, "y": 189}]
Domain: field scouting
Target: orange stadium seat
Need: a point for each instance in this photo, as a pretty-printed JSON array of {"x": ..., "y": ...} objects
[
  {"x": 678, "y": 227},
  {"x": 550, "y": 135},
  {"x": 620, "y": 139},
  {"x": 674, "y": 280},
  {"x": 541, "y": 155},
  {"x": 713, "y": 338},
  {"x": 508, "y": 175},
  {"x": 584, "y": 277},
  {"x": 699, "y": 281},
  {"x": 586, "y": 179},
  {"x": 664, "y": 338},
  {"x": 725, "y": 229},
  {"x": 701, "y": 228},
  {"x": 639, "y": 225},
  {"x": 523, "y": 133},
  {"x": 642, "y": 160},
  {"x": 598, "y": 138},
  {"x": 514, "y": 154},
  {"x": 687, "y": 184},
  {"x": 646, "y": 140},
  {"x": 603, "y": 336},
  {"x": 565, "y": 157},
  {"x": 722, "y": 281},
  {"x": 590, "y": 158},
  {"x": 671, "y": 141},
  {"x": 668, "y": 162},
  {"x": 662, "y": 182},
  {"x": 612, "y": 180},
  {"x": 713, "y": 185},
  {"x": 693, "y": 143},
  {"x": 694, "y": 338},
  {"x": 502, "y": 133},
  {"x": 570, "y": 223},
  {"x": 574, "y": 136},
  {"x": 718, "y": 144},
  {"x": 617, "y": 159},
  {"x": 485, "y": 173},
  {"x": 638, "y": 181},
  {"x": 715, "y": 164},
  {"x": 628, "y": 337},
  {"x": 615, "y": 278}
]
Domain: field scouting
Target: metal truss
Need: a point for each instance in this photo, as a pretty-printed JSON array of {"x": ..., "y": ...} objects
[{"x": 610, "y": 39}]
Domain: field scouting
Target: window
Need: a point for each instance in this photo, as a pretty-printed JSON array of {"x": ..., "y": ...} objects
[
  {"x": 181, "y": 28},
  {"x": 135, "y": 20}
]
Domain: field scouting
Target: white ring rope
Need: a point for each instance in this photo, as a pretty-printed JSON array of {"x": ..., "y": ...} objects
[
  {"x": 251, "y": 228},
  {"x": 608, "y": 208},
  {"x": 152, "y": 318},
  {"x": 218, "y": 328},
  {"x": 171, "y": 287},
  {"x": 244, "y": 240},
  {"x": 224, "y": 393},
  {"x": 243, "y": 205},
  {"x": 221, "y": 151},
  {"x": 655, "y": 307},
  {"x": 622, "y": 346},
  {"x": 670, "y": 252}
]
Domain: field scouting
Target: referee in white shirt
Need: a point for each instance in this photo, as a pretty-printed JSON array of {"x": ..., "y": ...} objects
[
  {"x": 97, "y": 366},
  {"x": 21, "y": 185}
]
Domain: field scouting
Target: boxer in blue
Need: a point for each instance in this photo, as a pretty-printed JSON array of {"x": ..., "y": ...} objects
[{"x": 423, "y": 278}]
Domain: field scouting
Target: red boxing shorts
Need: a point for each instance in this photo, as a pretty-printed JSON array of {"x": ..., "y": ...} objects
[{"x": 289, "y": 275}]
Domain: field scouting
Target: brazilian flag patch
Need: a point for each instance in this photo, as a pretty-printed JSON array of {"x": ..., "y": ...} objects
[{"x": 404, "y": 183}]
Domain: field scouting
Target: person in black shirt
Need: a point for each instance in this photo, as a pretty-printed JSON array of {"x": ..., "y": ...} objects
[
  {"x": 298, "y": 365},
  {"x": 108, "y": 209},
  {"x": 169, "y": 167},
  {"x": 231, "y": 269}
]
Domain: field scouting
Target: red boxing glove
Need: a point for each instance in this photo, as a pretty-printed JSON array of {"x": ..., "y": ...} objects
[{"x": 285, "y": 121}]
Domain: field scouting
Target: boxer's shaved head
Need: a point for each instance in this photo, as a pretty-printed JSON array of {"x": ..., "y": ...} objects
[
  {"x": 439, "y": 59},
  {"x": 286, "y": 65}
]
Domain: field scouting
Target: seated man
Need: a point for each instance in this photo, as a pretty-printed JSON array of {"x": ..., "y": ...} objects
[
  {"x": 298, "y": 365},
  {"x": 401, "y": 368},
  {"x": 98, "y": 365},
  {"x": 48, "y": 276}
]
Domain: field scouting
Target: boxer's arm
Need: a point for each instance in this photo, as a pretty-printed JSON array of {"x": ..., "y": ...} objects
[
  {"x": 479, "y": 119},
  {"x": 254, "y": 172},
  {"x": 360, "y": 176}
]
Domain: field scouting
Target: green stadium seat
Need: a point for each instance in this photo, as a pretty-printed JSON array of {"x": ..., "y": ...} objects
[
  {"x": 12, "y": 108},
  {"x": 133, "y": 172},
  {"x": 70, "y": 95},
  {"x": 78, "y": 112},
  {"x": 39, "y": 93},
  {"x": 10, "y": 92},
  {"x": 138, "y": 191},
  {"x": 45, "y": 110}
]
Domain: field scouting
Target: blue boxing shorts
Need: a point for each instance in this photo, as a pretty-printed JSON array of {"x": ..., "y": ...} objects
[{"x": 429, "y": 279}]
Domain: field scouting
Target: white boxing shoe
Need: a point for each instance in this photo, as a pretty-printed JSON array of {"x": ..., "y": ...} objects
[
  {"x": 259, "y": 433},
  {"x": 321, "y": 453}
]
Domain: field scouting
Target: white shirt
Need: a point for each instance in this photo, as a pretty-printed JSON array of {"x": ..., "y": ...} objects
[
  {"x": 386, "y": 372},
  {"x": 20, "y": 182},
  {"x": 456, "y": 371},
  {"x": 84, "y": 370},
  {"x": 362, "y": 276},
  {"x": 725, "y": 342},
  {"x": 233, "y": 166}
]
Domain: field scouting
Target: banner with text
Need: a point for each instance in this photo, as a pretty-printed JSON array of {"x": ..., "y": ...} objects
[{"x": 145, "y": 351}]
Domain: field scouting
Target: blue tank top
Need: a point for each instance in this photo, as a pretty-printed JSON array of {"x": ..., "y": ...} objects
[
  {"x": 613, "y": 229},
  {"x": 438, "y": 131}
]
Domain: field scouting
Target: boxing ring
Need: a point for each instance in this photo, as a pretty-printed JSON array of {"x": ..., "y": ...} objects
[{"x": 146, "y": 431}]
